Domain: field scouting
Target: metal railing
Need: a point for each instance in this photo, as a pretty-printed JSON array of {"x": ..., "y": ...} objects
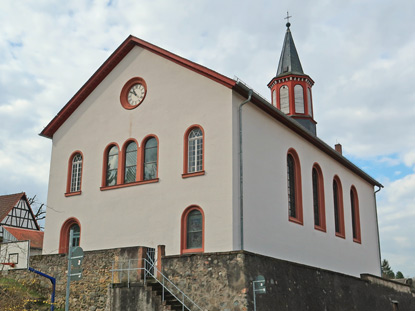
[{"x": 150, "y": 270}]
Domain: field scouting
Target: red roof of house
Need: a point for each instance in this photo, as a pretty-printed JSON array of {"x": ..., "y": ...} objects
[
  {"x": 35, "y": 237},
  {"x": 7, "y": 202}
]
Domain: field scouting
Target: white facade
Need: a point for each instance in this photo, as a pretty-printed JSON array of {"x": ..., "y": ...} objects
[{"x": 181, "y": 94}]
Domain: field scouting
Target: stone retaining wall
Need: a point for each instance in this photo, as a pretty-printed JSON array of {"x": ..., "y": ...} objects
[
  {"x": 223, "y": 281},
  {"x": 91, "y": 292}
]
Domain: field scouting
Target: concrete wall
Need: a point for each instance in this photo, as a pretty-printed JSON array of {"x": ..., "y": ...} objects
[
  {"x": 267, "y": 229},
  {"x": 146, "y": 214}
]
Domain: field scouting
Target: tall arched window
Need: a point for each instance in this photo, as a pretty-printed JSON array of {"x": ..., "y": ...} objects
[
  {"x": 150, "y": 159},
  {"x": 295, "y": 209},
  {"x": 299, "y": 98},
  {"x": 130, "y": 169},
  {"x": 318, "y": 198},
  {"x": 309, "y": 106},
  {"x": 70, "y": 224},
  {"x": 76, "y": 173},
  {"x": 338, "y": 207},
  {"x": 354, "y": 202},
  {"x": 193, "y": 161},
  {"x": 192, "y": 239},
  {"x": 284, "y": 99},
  {"x": 74, "y": 181},
  {"x": 112, "y": 166},
  {"x": 274, "y": 98}
]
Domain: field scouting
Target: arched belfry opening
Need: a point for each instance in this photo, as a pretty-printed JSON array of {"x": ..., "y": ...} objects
[{"x": 291, "y": 88}]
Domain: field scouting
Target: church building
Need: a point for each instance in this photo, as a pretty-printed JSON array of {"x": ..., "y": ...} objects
[{"x": 156, "y": 149}]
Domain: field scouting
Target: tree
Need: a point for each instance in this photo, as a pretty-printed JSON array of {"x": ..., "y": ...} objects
[
  {"x": 399, "y": 275},
  {"x": 387, "y": 271},
  {"x": 39, "y": 209}
]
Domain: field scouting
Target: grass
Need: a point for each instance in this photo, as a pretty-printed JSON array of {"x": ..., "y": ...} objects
[{"x": 22, "y": 296}]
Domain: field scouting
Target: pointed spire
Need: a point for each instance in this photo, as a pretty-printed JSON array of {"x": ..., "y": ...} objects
[{"x": 289, "y": 60}]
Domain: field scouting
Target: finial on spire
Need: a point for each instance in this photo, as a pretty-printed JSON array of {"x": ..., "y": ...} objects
[{"x": 288, "y": 20}]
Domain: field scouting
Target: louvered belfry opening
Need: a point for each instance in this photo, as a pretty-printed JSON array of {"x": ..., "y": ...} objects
[{"x": 291, "y": 87}]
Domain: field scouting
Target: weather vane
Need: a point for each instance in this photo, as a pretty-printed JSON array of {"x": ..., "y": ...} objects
[{"x": 288, "y": 19}]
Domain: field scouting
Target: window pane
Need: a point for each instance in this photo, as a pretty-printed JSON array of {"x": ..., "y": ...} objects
[
  {"x": 194, "y": 229},
  {"x": 195, "y": 151},
  {"x": 354, "y": 225},
  {"x": 151, "y": 154},
  {"x": 284, "y": 99},
  {"x": 291, "y": 186},
  {"x": 336, "y": 206},
  {"x": 316, "y": 198},
  {"x": 75, "y": 235},
  {"x": 76, "y": 173},
  {"x": 112, "y": 166},
  {"x": 150, "y": 159},
  {"x": 299, "y": 99},
  {"x": 130, "y": 173},
  {"x": 131, "y": 158},
  {"x": 150, "y": 171}
]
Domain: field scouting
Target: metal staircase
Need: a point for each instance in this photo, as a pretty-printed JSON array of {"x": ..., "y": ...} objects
[{"x": 171, "y": 295}]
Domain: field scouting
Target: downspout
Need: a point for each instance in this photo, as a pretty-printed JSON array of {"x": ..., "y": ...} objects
[
  {"x": 241, "y": 183},
  {"x": 377, "y": 227}
]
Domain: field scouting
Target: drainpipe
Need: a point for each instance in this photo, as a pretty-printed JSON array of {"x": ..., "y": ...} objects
[
  {"x": 377, "y": 227},
  {"x": 241, "y": 183}
]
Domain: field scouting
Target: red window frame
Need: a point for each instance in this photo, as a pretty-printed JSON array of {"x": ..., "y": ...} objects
[
  {"x": 339, "y": 205},
  {"x": 354, "y": 207},
  {"x": 64, "y": 234},
  {"x": 183, "y": 239},
  {"x": 297, "y": 188}
]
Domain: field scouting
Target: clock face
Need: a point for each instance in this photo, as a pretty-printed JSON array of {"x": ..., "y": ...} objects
[{"x": 136, "y": 94}]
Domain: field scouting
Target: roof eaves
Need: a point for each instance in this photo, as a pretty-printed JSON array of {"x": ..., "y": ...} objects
[
  {"x": 264, "y": 105},
  {"x": 110, "y": 64}
]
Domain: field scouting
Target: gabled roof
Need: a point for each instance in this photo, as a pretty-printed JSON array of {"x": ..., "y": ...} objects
[
  {"x": 34, "y": 236},
  {"x": 110, "y": 64},
  {"x": 8, "y": 201},
  {"x": 289, "y": 61},
  {"x": 289, "y": 57}
]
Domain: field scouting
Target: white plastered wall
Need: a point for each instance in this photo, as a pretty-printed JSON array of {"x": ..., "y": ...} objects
[
  {"x": 148, "y": 214},
  {"x": 267, "y": 229}
]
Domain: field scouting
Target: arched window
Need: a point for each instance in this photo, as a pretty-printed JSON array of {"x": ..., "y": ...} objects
[
  {"x": 150, "y": 159},
  {"x": 112, "y": 166},
  {"x": 299, "y": 99},
  {"x": 193, "y": 163},
  {"x": 318, "y": 198},
  {"x": 74, "y": 181},
  {"x": 354, "y": 202},
  {"x": 70, "y": 224},
  {"x": 130, "y": 169},
  {"x": 284, "y": 99},
  {"x": 274, "y": 98},
  {"x": 338, "y": 207},
  {"x": 309, "y": 106},
  {"x": 192, "y": 239},
  {"x": 295, "y": 209}
]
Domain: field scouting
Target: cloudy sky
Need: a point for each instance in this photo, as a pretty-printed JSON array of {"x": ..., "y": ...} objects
[{"x": 361, "y": 54}]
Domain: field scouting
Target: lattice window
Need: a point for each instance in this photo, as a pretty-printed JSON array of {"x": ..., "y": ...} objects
[
  {"x": 112, "y": 166},
  {"x": 130, "y": 171},
  {"x": 76, "y": 173},
  {"x": 150, "y": 159},
  {"x": 195, "y": 151}
]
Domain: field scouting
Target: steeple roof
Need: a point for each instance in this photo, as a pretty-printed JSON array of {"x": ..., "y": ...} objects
[{"x": 289, "y": 60}]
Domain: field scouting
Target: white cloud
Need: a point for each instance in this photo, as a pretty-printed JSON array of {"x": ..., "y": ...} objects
[{"x": 360, "y": 55}]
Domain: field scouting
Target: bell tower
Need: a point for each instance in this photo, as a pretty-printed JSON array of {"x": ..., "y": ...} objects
[{"x": 291, "y": 88}]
